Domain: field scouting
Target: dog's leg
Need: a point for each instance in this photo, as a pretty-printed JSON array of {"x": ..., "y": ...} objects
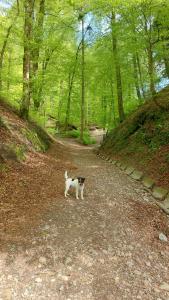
[
  {"x": 65, "y": 193},
  {"x": 66, "y": 190},
  {"x": 77, "y": 193},
  {"x": 82, "y": 188}
]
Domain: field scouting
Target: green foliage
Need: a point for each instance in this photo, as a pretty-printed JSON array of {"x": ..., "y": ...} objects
[
  {"x": 3, "y": 168},
  {"x": 57, "y": 43},
  {"x": 15, "y": 152},
  {"x": 87, "y": 140},
  {"x": 52, "y": 131},
  {"x": 73, "y": 133},
  {"x": 19, "y": 151},
  {"x": 34, "y": 139},
  {"x": 167, "y": 158},
  {"x": 1, "y": 122}
]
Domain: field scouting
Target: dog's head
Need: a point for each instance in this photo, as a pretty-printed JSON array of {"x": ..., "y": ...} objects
[{"x": 81, "y": 180}]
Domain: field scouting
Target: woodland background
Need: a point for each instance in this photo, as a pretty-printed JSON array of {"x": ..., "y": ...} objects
[{"x": 82, "y": 62}]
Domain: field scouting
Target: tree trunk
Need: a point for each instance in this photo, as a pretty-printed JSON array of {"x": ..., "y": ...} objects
[
  {"x": 140, "y": 75},
  {"x": 3, "y": 52},
  {"x": 68, "y": 101},
  {"x": 38, "y": 36},
  {"x": 83, "y": 85},
  {"x": 28, "y": 7},
  {"x": 41, "y": 83},
  {"x": 151, "y": 69},
  {"x": 60, "y": 102},
  {"x": 112, "y": 116},
  {"x": 136, "y": 79},
  {"x": 117, "y": 70},
  {"x": 5, "y": 44},
  {"x": 71, "y": 80},
  {"x": 148, "y": 31},
  {"x": 104, "y": 108},
  {"x": 9, "y": 70}
]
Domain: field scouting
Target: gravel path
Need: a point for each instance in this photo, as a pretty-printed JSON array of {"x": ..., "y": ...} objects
[{"x": 103, "y": 247}]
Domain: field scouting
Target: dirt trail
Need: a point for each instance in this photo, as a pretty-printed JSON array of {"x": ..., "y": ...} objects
[{"x": 103, "y": 247}]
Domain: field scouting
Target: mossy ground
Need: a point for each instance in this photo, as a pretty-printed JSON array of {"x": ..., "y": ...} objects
[
  {"x": 143, "y": 139},
  {"x": 18, "y": 137}
]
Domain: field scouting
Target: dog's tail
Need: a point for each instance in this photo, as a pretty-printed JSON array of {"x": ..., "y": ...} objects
[{"x": 66, "y": 176}]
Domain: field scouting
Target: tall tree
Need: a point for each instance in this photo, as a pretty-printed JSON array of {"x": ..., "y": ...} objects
[
  {"x": 70, "y": 81},
  {"x": 117, "y": 69},
  {"x": 4, "y": 45},
  {"x": 81, "y": 17},
  {"x": 28, "y": 27},
  {"x": 37, "y": 42},
  {"x": 136, "y": 77}
]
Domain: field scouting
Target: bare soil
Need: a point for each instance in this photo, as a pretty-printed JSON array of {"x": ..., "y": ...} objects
[
  {"x": 103, "y": 247},
  {"x": 152, "y": 165}
]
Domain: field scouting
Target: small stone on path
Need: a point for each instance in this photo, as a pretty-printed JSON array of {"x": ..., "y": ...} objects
[
  {"x": 164, "y": 286},
  {"x": 38, "y": 280},
  {"x": 163, "y": 237},
  {"x": 42, "y": 260}
]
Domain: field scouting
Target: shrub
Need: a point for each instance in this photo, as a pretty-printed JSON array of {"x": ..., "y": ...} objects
[
  {"x": 34, "y": 139},
  {"x": 20, "y": 152},
  {"x": 2, "y": 124},
  {"x": 73, "y": 133},
  {"x": 87, "y": 140},
  {"x": 52, "y": 131}
]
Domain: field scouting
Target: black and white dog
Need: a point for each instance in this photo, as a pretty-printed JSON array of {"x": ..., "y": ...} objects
[{"x": 77, "y": 183}]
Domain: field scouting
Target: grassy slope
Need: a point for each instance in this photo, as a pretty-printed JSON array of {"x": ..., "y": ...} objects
[
  {"x": 143, "y": 139},
  {"x": 19, "y": 136}
]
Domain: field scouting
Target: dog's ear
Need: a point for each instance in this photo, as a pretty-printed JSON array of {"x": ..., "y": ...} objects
[{"x": 81, "y": 180}]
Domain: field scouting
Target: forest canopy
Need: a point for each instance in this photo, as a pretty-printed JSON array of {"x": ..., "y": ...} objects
[{"x": 82, "y": 62}]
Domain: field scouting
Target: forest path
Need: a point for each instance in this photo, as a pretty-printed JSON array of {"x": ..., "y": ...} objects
[{"x": 104, "y": 247}]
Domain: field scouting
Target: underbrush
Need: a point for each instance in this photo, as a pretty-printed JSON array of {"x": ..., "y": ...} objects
[
  {"x": 87, "y": 140},
  {"x": 142, "y": 139},
  {"x": 2, "y": 123}
]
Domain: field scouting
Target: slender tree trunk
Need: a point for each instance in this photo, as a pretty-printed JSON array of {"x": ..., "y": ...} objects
[
  {"x": 71, "y": 80},
  {"x": 136, "y": 79},
  {"x": 104, "y": 108},
  {"x": 148, "y": 31},
  {"x": 38, "y": 36},
  {"x": 38, "y": 99},
  {"x": 140, "y": 74},
  {"x": 112, "y": 106},
  {"x": 60, "y": 102},
  {"x": 118, "y": 71},
  {"x": 68, "y": 102},
  {"x": 137, "y": 68},
  {"x": 87, "y": 111},
  {"x": 41, "y": 83},
  {"x": 151, "y": 69},
  {"x": 28, "y": 7},
  {"x": 2, "y": 52},
  {"x": 9, "y": 70},
  {"x": 83, "y": 85}
]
